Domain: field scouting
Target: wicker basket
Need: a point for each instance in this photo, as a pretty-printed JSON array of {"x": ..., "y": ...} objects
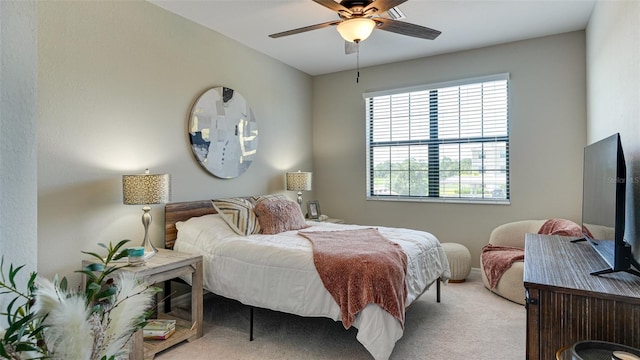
[{"x": 594, "y": 350}]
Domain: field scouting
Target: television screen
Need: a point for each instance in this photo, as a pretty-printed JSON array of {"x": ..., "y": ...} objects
[
  {"x": 600, "y": 190},
  {"x": 603, "y": 204}
]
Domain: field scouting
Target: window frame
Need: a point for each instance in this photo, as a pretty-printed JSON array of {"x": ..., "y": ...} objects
[{"x": 434, "y": 173}]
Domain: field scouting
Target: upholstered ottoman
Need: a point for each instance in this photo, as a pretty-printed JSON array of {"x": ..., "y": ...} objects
[{"x": 459, "y": 261}]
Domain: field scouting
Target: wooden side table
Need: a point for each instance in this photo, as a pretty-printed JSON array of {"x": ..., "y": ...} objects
[
  {"x": 335, "y": 221},
  {"x": 163, "y": 266},
  {"x": 329, "y": 220}
]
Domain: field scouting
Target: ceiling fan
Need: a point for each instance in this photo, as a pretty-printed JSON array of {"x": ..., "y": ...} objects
[{"x": 358, "y": 18}]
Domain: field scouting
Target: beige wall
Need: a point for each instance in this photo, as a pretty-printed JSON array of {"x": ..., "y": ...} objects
[
  {"x": 116, "y": 81},
  {"x": 547, "y": 132},
  {"x": 18, "y": 187},
  {"x": 613, "y": 55}
]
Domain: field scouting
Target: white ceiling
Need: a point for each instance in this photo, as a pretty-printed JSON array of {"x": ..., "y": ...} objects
[{"x": 465, "y": 24}]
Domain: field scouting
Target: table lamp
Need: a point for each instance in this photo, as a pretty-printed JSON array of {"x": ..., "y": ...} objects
[
  {"x": 146, "y": 189},
  {"x": 299, "y": 181}
]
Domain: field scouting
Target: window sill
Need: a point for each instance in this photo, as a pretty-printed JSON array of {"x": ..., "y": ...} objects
[{"x": 441, "y": 200}]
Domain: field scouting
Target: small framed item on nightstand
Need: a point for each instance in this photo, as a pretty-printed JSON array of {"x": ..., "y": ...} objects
[{"x": 313, "y": 209}]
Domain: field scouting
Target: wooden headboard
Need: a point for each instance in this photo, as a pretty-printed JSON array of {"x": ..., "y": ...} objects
[{"x": 182, "y": 211}]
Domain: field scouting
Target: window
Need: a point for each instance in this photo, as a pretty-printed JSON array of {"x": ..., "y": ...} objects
[{"x": 447, "y": 142}]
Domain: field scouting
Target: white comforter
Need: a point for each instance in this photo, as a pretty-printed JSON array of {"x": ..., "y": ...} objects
[{"x": 277, "y": 272}]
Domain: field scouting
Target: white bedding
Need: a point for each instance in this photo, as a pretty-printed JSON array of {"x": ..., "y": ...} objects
[{"x": 277, "y": 272}]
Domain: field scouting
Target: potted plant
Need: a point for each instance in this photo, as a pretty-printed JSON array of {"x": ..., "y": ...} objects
[{"x": 49, "y": 320}]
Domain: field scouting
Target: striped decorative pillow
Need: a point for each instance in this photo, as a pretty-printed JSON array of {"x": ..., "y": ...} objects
[
  {"x": 238, "y": 214},
  {"x": 257, "y": 198}
]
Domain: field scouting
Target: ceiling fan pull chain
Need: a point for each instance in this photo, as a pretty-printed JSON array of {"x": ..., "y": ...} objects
[{"x": 358, "y": 62}]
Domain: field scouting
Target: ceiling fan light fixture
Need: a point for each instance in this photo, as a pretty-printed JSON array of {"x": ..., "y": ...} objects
[{"x": 357, "y": 29}]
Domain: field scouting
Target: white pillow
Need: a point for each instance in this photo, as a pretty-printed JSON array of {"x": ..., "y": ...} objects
[{"x": 201, "y": 231}]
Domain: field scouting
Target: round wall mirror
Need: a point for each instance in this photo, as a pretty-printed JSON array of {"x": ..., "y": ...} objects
[{"x": 223, "y": 132}]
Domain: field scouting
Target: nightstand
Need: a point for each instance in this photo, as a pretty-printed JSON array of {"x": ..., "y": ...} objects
[
  {"x": 335, "y": 221},
  {"x": 166, "y": 265}
]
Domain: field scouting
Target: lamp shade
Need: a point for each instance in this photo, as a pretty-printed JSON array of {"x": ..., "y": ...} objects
[
  {"x": 299, "y": 181},
  {"x": 356, "y": 29},
  {"x": 145, "y": 189}
]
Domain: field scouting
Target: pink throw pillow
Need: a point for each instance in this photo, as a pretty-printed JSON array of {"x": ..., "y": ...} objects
[
  {"x": 561, "y": 227},
  {"x": 276, "y": 216}
]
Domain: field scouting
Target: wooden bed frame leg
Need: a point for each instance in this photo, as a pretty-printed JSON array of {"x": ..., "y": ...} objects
[
  {"x": 250, "y": 323},
  {"x": 438, "y": 290}
]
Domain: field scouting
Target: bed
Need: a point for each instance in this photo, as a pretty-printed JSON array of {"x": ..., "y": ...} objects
[{"x": 277, "y": 271}]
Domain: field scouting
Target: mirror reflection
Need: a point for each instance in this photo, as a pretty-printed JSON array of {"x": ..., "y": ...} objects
[{"x": 223, "y": 132}]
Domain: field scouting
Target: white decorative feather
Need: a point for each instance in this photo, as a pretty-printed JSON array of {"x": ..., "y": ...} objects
[
  {"x": 68, "y": 333},
  {"x": 73, "y": 332},
  {"x": 132, "y": 300},
  {"x": 47, "y": 296}
]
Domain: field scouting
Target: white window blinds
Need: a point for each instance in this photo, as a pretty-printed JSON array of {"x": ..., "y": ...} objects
[{"x": 447, "y": 141}]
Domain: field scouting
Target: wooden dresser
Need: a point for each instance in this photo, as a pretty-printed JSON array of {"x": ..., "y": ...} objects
[{"x": 565, "y": 304}]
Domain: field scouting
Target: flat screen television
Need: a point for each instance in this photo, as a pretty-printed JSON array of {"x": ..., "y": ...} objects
[{"x": 603, "y": 204}]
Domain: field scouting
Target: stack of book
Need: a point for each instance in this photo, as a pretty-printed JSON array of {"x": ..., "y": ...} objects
[{"x": 158, "y": 329}]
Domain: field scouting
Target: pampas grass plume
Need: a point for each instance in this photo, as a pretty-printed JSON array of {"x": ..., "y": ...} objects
[
  {"x": 132, "y": 300},
  {"x": 68, "y": 333},
  {"x": 73, "y": 332}
]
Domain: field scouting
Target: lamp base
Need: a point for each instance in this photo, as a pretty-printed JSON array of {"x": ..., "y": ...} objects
[
  {"x": 300, "y": 199},
  {"x": 149, "y": 249}
]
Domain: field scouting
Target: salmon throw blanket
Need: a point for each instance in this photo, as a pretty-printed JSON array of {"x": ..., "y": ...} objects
[
  {"x": 359, "y": 267},
  {"x": 497, "y": 259},
  {"x": 561, "y": 227}
]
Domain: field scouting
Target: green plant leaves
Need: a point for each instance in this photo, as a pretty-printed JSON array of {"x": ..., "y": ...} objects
[{"x": 24, "y": 328}]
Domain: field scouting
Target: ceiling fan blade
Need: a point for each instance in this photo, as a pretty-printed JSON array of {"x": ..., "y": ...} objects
[
  {"x": 382, "y": 5},
  {"x": 400, "y": 27},
  {"x": 350, "y": 47},
  {"x": 337, "y": 7},
  {"x": 305, "y": 29}
]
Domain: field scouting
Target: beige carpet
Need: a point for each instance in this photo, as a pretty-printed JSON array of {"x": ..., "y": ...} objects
[{"x": 469, "y": 323}]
